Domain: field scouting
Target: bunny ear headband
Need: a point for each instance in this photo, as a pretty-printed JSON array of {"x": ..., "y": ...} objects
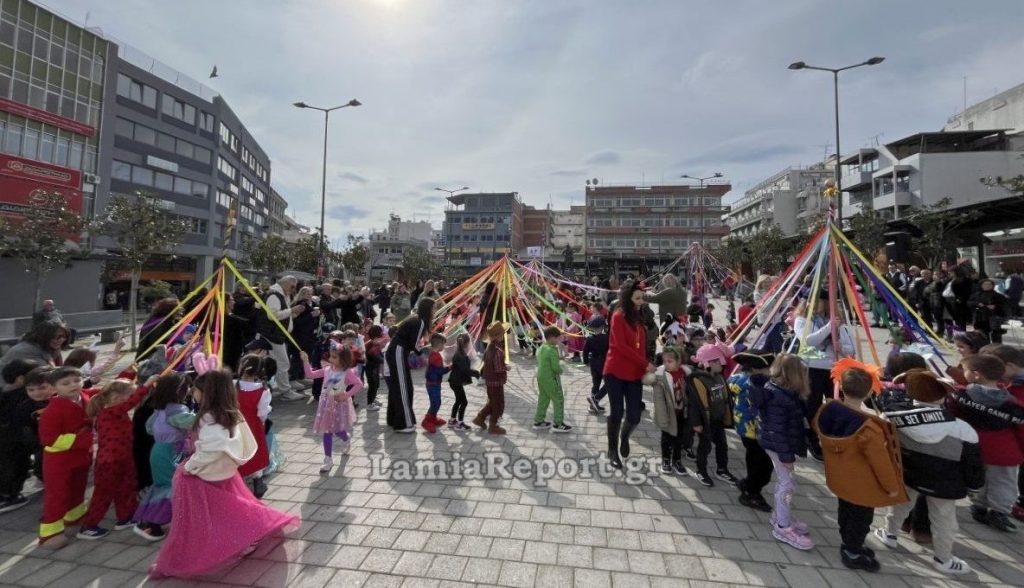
[
  {"x": 847, "y": 363},
  {"x": 203, "y": 364}
]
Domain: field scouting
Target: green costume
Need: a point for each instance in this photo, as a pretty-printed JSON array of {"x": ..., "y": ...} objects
[{"x": 549, "y": 384}]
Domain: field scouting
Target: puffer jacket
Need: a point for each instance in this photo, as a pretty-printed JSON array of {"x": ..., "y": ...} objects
[
  {"x": 782, "y": 422},
  {"x": 741, "y": 387},
  {"x": 997, "y": 417},
  {"x": 941, "y": 457},
  {"x": 862, "y": 456}
]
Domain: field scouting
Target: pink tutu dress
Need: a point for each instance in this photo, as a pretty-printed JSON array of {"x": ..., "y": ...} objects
[
  {"x": 574, "y": 336},
  {"x": 216, "y": 519},
  {"x": 335, "y": 415}
]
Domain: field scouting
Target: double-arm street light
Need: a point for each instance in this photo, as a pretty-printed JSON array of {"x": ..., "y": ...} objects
[
  {"x": 835, "y": 91},
  {"x": 320, "y": 265},
  {"x": 447, "y": 224},
  {"x": 701, "y": 208}
]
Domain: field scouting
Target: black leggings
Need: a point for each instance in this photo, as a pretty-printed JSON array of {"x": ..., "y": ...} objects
[
  {"x": 820, "y": 381},
  {"x": 459, "y": 407},
  {"x": 373, "y": 383},
  {"x": 759, "y": 468}
]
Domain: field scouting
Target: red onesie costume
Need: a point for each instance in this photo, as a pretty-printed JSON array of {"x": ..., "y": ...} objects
[
  {"x": 115, "y": 463},
  {"x": 66, "y": 437},
  {"x": 249, "y": 397}
]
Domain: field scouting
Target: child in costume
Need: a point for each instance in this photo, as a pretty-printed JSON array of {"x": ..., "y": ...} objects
[
  {"x": 254, "y": 401},
  {"x": 595, "y": 349},
  {"x": 669, "y": 382},
  {"x": 336, "y": 412},
  {"x": 549, "y": 384},
  {"x": 745, "y": 386},
  {"x": 115, "y": 468},
  {"x": 495, "y": 373},
  {"x": 169, "y": 426},
  {"x": 66, "y": 436},
  {"x": 375, "y": 344},
  {"x": 462, "y": 373},
  {"x": 16, "y": 454},
  {"x": 217, "y": 520},
  {"x": 436, "y": 369},
  {"x": 710, "y": 413}
]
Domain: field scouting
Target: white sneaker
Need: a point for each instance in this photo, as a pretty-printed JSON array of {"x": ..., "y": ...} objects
[
  {"x": 345, "y": 447},
  {"x": 883, "y": 537},
  {"x": 953, "y": 566},
  {"x": 292, "y": 395},
  {"x": 373, "y": 406},
  {"x": 328, "y": 464}
]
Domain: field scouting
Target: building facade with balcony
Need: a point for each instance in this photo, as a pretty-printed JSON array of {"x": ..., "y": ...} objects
[
  {"x": 632, "y": 228},
  {"x": 536, "y": 227},
  {"x": 1004, "y": 111},
  {"x": 568, "y": 229},
  {"x": 481, "y": 228},
  {"x": 388, "y": 247},
  {"x": 782, "y": 200}
]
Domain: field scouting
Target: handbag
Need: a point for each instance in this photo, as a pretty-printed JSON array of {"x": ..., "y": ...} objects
[{"x": 947, "y": 292}]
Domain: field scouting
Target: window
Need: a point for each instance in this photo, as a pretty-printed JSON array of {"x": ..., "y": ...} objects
[
  {"x": 136, "y": 91},
  {"x": 200, "y": 189},
  {"x": 186, "y": 149},
  {"x": 224, "y": 199},
  {"x": 124, "y": 128},
  {"x": 176, "y": 108},
  {"x": 228, "y": 138},
  {"x": 206, "y": 122},
  {"x": 247, "y": 185},
  {"x": 164, "y": 181},
  {"x": 196, "y": 226},
  {"x": 227, "y": 169},
  {"x": 629, "y": 202},
  {"x": 165, "y": 142},
  {"x": 145, "y": 135},
  {"x": 182, "y": 185},
  {"x": 202, "y": 154},
  {"x": 142, "y": 176},
  {"x": 121, "y": 171},
  {"x": 656, "y": 201}
]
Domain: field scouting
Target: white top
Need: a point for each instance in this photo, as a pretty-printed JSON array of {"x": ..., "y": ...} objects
[
  {"x": 263, "y": 408},
  {"x": 219, "y": 451},
  {"x": 820, "y": 338}
]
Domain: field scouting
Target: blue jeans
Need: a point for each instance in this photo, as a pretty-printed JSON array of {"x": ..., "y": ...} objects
[
  {"x": 434, "y": 394},
  {"x": 625, "y": 396}
]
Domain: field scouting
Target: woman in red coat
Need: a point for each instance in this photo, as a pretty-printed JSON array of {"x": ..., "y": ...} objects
[{"x": 624, "y": 367}]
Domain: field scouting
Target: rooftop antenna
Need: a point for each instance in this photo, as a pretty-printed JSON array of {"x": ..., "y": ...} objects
[{"x": 965, "y": 95}]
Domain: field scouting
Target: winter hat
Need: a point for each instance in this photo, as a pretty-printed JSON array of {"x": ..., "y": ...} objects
[
  {"x": 709, "y": 353},
  {"x": 924, "y": 386},
  {"x": 598, "y": 322}
]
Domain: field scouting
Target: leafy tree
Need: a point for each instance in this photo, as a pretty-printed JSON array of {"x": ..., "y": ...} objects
[
  {"x": 356, "y": 255},
  {"x": 869, "y": 228},
  {"x": 142, "y": 228},
  {"x": 938, "y": 224},
  {"x": 770, "y": 250},
  {"x": 731, "y": 252},
  {"x": 269, "y": 255},
  {"x": 44, "y": 238},
  {"x": 156, "y": 290},
  {"x": 302, "y": 255},
  {"x": 419, "y": 264}
]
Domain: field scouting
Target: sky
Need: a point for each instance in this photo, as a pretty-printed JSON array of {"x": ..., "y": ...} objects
[{"x": 537, "y": 96}]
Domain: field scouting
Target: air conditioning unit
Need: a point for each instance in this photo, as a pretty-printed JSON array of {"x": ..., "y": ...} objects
[{"x": 91, "y": 178}]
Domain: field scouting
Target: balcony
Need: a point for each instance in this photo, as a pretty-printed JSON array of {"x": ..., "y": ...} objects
[
  {"x": 856, "y": 180},
  {"x": 887, "y": 201}
]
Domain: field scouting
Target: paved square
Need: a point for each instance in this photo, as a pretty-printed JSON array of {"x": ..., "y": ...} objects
[{"x": 666, "y": 531}]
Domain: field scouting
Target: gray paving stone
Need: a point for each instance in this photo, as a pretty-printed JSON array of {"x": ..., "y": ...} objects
[
  {"x": 591, "y": 579},
  {"x": 517, "y": 575},
  {"x": 482, "y": 571}
]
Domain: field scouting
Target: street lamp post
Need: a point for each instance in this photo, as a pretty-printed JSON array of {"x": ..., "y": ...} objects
[
  {"x": 835, "y": 93},
  {"x": 448, "y": 238},
  {"x": 323, "y": 180},
  {"x": 701, "y": 209}
]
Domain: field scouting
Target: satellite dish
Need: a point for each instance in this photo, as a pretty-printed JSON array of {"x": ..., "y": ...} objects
[
  {"x": 594, "y": 181},
  {"x": 588, "y": 182}
]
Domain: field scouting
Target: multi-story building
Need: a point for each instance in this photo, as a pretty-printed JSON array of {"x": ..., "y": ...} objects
[
  {"x": 53, "y": 95},
  {"x": 176, "y": 138},
  {"x": 1003, "y": 111},
  {"x": 485, "y": 228},
  {"x": 631, "y": 228},
  {"x": 536, "y": 227},
  {"x": 388, "y": 247},
  {"x": 568, "y": 229},
  {"x": 278, "y": 218},
  {"x": 778, "y": 200}
]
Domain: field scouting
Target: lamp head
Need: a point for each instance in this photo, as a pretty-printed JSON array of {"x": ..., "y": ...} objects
[
  {"x": 299, "y": 104},
  {"x": 717, "y": 174},
  {"x": 354, "y": 102},
  {"x": 874, "y": 61},
  {"x": 797, "y": 65},
  {"x": 464, "y": 188},
  {"x": 686, "y": 176}
]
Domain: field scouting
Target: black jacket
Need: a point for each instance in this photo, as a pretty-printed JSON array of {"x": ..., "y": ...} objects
[
  {"x": 708, "y": 397},
  {"x": 595, "y": 349},
  {"x": 462, "y": 372},
  {"x": 941, "y": 456}
]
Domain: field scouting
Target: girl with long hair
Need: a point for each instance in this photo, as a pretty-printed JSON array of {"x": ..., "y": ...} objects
[{"x": 216, "y": 519}]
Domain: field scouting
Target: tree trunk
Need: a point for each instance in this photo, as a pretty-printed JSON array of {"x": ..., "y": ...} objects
[
  {"x": 38, "y": 285},
  {"x": 133, "y": 296}
]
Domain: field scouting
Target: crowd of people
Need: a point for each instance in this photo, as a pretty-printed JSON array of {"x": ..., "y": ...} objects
[{"x": 899, "y": 436}]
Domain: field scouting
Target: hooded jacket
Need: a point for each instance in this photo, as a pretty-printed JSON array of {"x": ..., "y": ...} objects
[
  {"x": 744, "y": 387},
  {"x": 941, "y": 457},
  {"x": 862, "y": 456},
  {"x": 664, "y": 399},
  {"x": 219, "y": 451},
  {"x": 707, "y": 400},
  {"x": 998, "y": 419}
]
